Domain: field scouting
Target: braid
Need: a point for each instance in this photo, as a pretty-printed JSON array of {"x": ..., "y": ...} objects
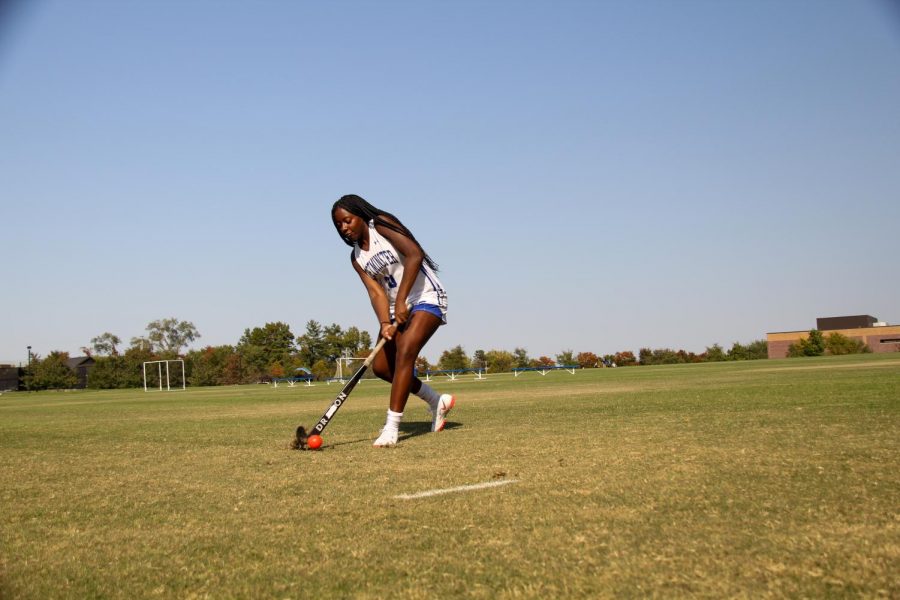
[{"x": 356, "y": 205}]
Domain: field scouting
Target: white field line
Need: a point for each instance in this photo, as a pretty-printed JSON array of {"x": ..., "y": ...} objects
[{"x": 462, "y": 488}]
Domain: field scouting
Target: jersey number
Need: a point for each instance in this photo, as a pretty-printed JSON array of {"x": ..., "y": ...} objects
[{"x": 392, "y": 283}]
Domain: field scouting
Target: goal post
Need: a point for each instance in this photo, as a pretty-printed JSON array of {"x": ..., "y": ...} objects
[
  {"x": 348, "y": 365},
  {"x": 159, "y": 369}
]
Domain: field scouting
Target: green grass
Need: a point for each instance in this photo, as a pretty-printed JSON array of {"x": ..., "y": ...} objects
[{"x": 764, "y": 478}]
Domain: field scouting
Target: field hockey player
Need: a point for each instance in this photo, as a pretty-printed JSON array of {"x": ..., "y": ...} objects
[{"x": 407, "y": 297}]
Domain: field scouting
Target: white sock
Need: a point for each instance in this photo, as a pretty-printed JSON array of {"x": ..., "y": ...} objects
[
  {"x": 393, "y": 420},
  {"x": 429, "y": 395}
]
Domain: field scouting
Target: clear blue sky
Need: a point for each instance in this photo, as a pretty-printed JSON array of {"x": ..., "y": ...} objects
[{"x": 599, "y": 176}]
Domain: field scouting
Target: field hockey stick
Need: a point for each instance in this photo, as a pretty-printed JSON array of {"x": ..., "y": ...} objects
[{"x": 301, "y": 437}]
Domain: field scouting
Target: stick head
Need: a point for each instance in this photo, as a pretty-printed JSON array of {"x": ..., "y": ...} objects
[{"x": 300, "y": 439}]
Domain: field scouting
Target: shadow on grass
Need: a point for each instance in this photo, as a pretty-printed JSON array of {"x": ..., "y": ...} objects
[
  {"x": 407, "y": 431},
  {"x": 410, "y": 430}
]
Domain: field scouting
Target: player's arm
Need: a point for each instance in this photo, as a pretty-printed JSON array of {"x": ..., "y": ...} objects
[
  {"x": 378, "y": 298},
  {"x": 412, "y": 263}
]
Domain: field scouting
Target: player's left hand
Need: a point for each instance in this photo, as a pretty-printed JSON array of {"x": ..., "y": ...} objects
[{"x": 401, "y": 314}]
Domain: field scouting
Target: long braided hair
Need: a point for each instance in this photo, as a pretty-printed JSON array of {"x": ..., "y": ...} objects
[{"x": 355, "y": 205}]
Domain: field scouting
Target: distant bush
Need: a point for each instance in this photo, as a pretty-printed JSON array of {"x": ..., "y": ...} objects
[
  {"x": 499, "y": 361},
  {"x": 51, "y": 373},
  {"x": 753, "y": 351},
  {"x": 667, "y": 356},
  {"x": 566, "y": 357},
  {"x": 587, "y": 360},
  {"x": 626, "y": 358},
  {"x": 454, "y": 359},
  {"x": 715, "y": 353},
  {"x": 836, "y": 343},
  {"x": 659, "y": 356},
  {"x": 322, "y": 369},
  {"x": 814, "y": 345}
]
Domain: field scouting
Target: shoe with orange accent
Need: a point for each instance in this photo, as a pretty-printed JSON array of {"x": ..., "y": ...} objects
[{"x": 444, "y": 406}]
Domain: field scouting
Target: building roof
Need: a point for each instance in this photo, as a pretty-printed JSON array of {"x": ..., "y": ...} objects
[{"x": 80, "y": 361}]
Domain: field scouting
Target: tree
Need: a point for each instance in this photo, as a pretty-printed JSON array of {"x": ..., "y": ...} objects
[
  {"x": 276, "y": 370},
  {"x": 758, "y": 349},
  {"x": 264, "y": 346},
  {"x": 479, "y": 360},
  {"x": 105, "y": 344},
  {"x": 454, "y": 359},
  {"x": 625, "y": 358},
  {"x": 233, "y": 372},
  {"x": 333, "y": 342},
  {"x": 838, "y": 343},
  {"x": 500, "y": 361},
  {"x": 131, "y": 373},
  {"x": 715, "y": 353},
  {"x": 355, "y": 341},
  {"x": 254, "y": 363},
  {"x": 689, "y": 357},
  {"x": 312, "y": 344},
  {"x": 645, "y": 356},
  {"x": 586, "y": 360},
  {"x": 543, "y": 361},
  {"x": 108, "y": 373},
  {"x": 566, "y": 357},
  {"x": 813, "y": 345},
  {"x": 522, "y": 359},
  {"x": 209, "y": 366},
  {"x": 322, "y": 369},
  {"x": 422, "y": 364},
  {"x": 51, "y": 373},
  {"x": 169, "y": 336},
  {"x": 663, "y": 356},
  {"x": 738, "y": 352},
  {"x": 141, "y": 343}
]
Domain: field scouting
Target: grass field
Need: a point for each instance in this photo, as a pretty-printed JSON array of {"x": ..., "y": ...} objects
[{"x": 763, "y": 478}]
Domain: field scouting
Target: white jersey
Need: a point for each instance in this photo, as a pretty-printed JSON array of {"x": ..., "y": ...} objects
[{"x": 384, "y": 264}]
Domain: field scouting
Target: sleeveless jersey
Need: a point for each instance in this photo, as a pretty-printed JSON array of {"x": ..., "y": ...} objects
[{"x": 384, "y": 263}]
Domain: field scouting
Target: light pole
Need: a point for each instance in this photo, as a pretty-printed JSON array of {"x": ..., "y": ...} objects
[{"x": 29, "y": 356}]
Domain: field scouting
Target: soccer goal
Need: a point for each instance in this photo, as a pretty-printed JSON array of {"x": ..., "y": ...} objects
[
  {"x": 348, "y": 365},
  {"x": 158, "y": 373},
  {"x": 345, "y": 364}
]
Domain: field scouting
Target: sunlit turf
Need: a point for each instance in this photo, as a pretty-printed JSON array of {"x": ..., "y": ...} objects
[{"x": 732, "y": 479}]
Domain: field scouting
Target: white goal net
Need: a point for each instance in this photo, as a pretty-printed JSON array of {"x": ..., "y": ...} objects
[
  {"x": 158, "y": 373},
  {"x": 347, "y": 366}
]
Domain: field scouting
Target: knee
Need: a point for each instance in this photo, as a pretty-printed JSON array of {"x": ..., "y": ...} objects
[{"x": 407, "y": 355}]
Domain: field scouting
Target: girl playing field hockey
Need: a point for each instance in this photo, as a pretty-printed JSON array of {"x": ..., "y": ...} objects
[{"x": 408, "y": 300}]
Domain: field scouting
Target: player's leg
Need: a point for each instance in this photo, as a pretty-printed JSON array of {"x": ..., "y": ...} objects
[
  {"x": 384, "y": 365},
  {"x": 399, "y": 363},
  {"x": 438, "y": 404},
  {"x": 408, "y": 344}
]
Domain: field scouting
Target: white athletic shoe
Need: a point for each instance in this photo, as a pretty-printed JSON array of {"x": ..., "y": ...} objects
[
  {"x": 444, "y": 406},
  {"x": 387, "y": 439}
]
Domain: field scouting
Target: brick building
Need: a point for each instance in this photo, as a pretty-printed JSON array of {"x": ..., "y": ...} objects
[
  {"x": 878, "y": 336},
  {"x": 10, "y": 378}
]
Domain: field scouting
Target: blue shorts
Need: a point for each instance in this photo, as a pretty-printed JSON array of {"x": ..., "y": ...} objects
[
  {"x": 433, "y": 309},
  {"x": 429, "y": 308}
]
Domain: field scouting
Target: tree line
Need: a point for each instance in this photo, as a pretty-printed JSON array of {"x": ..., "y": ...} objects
[
  {"x": 261, "y": 354},
  {"x": 818, "y": 344},
  {"x": 273, "y": 351},
  {"x": 499, "y": 361}
]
